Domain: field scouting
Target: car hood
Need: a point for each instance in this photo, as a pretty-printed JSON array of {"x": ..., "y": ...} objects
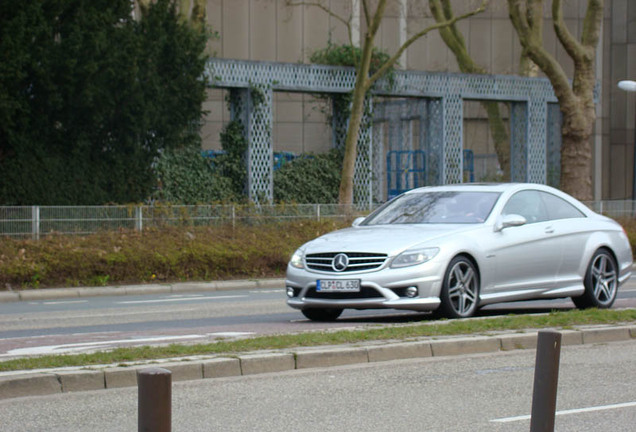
[{"x": 389, "y": 239}]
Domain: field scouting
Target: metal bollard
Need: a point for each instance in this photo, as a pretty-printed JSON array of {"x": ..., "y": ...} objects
[
  {"x": 155, "y": 400},
  {"x": 546, "y": 379}
]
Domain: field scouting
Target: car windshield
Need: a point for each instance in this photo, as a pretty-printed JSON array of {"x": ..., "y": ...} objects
[{"x": 434, "y": 208}]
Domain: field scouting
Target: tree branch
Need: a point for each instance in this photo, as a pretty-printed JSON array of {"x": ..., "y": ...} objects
[
  {"x": 346, "y": 22},
  {"x": 518, "y": 18},
  {"x": 592, "y": 23},
  {"x": 533, "y": 46},
  {"x": 389, "y": 63},
  {"x": 534, "y": 15},
  {"x": 452, "y": 37},
  {"x": 367, "y": 17},
  {"x": 449, "y": 14},
  {"x": 377, "y": 18},
  {"x": 570, "y": 44}
]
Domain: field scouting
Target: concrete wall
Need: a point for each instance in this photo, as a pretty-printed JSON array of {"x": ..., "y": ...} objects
[{"x": 269, "y": 30}]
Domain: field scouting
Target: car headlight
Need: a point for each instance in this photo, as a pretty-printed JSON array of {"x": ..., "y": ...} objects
[
  {"x": 413, "y": 257},
  {"x": 297, "y": 259}
]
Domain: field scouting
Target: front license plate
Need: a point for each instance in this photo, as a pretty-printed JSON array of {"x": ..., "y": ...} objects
[{"x": 335, "y": 285}]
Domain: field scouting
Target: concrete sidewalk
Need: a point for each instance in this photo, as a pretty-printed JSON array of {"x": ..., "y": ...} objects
[
  {"x": 45, "y": 382},
  {"x": 167, "y": 288}
]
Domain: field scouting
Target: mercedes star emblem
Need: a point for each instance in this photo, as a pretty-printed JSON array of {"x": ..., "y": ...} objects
[{"x": 340, "y": 262}]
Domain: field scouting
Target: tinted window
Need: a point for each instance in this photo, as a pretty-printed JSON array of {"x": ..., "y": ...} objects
[
  {"x": 527, "y": 204},
  {"x": 559, "y": 208},
  {"x": 538, "y": 206},
  {"x": 435, "y": 207}
]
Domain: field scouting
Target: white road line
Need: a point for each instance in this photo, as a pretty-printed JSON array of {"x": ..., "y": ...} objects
[
  {"x": 179, "y": 299},
  {"x": 57, "y": 349},
  {"x": 60, "y": 302},
  {"x": 271, "y": 291},
  {"x": 567, "y": 412}
]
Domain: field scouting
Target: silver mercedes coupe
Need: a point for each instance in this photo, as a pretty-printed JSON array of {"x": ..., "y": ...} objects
[{"x": 455, "y": 248}]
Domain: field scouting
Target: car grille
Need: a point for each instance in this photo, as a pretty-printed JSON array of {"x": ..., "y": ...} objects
[
  {"x": 358, "y": 261},
  {"x": 365, "y": 292}
]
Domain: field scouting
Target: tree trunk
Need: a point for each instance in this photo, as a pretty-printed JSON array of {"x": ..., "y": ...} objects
[
  {"x": 576, "y": 153},
  {"x": 576, "y": 100},
  {"x": 362, "y": 86},
  {"x": 500, "y": 136},
  {"x": 345, "y": 196}
]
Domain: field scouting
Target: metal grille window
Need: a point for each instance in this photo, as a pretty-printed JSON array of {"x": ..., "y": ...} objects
[{"x": 356, "y": 261}]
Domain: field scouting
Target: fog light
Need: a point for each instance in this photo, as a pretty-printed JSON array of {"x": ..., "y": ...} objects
[
  {"x": 290, "y": 292},
  {"x": 411, "y": 292}
]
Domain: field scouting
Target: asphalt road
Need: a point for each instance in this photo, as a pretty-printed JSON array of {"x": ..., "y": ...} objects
[
  {"x": 95, "y": 323},
  {"x": 490, "y": 392}
]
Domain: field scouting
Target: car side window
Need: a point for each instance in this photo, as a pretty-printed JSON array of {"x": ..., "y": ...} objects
[
  {"x": 559, "y": 208},
  {"x": 527, "y": 204}
]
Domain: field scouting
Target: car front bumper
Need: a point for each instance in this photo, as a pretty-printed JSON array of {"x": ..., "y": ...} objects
[{"x": 380, "y": 289}]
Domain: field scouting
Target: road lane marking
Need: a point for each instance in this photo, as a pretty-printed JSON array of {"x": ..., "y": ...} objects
[
  {"x": 59, "y": 302},
  {"x": 56, "y": 349},
  {"x": 230, "y": 334},
  {"x": 82, "y": 346},
  {"x": 167, "y": 300},
  {"x": 567, "y": 412}
]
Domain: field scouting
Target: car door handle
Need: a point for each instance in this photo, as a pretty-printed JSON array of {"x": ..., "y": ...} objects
[{"x": 549, "y": 230}]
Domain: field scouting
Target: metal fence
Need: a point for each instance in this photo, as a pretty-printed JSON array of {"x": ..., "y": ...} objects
[{"x": 36, "y": 221}]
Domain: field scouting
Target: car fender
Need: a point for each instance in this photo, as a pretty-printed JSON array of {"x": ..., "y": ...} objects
[{"x": 597, "y": 240}]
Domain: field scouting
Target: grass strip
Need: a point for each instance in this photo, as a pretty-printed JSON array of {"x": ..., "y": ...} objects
[{"x": 556, "y": 319}]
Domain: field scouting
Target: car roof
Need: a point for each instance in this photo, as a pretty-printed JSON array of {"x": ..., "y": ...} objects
[
  {"x": 477, "y": 187},
  {"x": 507, "y": 188}
]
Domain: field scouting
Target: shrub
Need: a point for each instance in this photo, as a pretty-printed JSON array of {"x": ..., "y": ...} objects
[
  {"x": 309, "y": 179},
  {"x": 186, "y": 177},
  {"x": 167, "y": 254}
]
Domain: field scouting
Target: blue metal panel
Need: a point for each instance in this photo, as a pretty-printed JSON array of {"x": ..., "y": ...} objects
[{"x": 405, "y": 170}]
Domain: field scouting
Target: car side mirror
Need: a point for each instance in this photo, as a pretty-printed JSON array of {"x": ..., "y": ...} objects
[
  {"x": 509, "y": 220},
  {"x": 357, "y": 221}
]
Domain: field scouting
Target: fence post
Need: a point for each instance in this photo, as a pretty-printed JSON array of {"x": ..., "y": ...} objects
[
  {"x": 35, "y": 222},
  {"x": 154, "y": 400},
  {"x": 318, "y": 212},
  {"x": 233, "y": 217},
  {"x": 139, "y": 218},
  {"x": 546, "y": 379}
]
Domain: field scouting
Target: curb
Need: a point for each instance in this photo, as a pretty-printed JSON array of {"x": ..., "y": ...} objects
[
  {"x": 180, "y": 287},
  {"x": 46, "y": 382}
]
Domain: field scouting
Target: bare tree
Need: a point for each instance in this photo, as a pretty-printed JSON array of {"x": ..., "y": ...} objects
[
  {"x": 576, "y": 99},
  {"x": 365, "y": 80}
]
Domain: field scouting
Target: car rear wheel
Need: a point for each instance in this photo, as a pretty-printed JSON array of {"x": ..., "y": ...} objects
[
  {"x": 601, "y": 282},
  {"x": 317, "y": 314},
  {"x": 460, "y": 290}
]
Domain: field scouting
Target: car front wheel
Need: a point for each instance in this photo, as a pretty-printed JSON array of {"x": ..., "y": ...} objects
[
  {"x": 317, "y": 314},
  {"x": 460, "y": 290},
  {"x": 601, "y": 282}
]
